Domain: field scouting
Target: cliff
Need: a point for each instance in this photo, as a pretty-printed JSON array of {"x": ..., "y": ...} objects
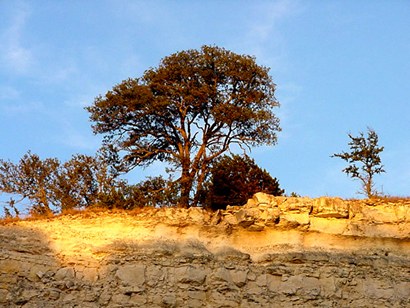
[{"x": 272, "y": 252}]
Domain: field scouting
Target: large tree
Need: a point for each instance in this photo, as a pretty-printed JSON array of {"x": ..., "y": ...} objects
[
  {"x": 364, "y": 160},
  {"x": 187, "y": 112}
]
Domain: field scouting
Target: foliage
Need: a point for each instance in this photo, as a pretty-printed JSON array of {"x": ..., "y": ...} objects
[
  {"x": 364, "y": 151},
  {"x": 294, "y": 195},
  {"x": 236, "y": 179},
  {"x": 84, "y": 181},
  {"x": 80, "y": 182},
  {"x": 29, "y": 179},
  {"x": 10, "y": 209},
  {"x": 154, "y": 192},
  {"x": 187, "y": 112}
]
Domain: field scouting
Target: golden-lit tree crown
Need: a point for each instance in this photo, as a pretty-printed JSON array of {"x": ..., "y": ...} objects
[{"x": 188, "y": 111}]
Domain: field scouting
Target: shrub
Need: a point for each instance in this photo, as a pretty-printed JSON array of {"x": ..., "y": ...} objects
[{"x": 235, "y": 179}]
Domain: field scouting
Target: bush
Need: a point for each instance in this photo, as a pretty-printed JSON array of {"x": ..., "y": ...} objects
[
  {"x": 153, "y": 192},
  {"x": 29, "y": 179},
  {"x": 235, "y": 179},
  {"x": 78, "y": 183}
]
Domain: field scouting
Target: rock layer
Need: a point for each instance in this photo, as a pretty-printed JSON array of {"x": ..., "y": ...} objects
[{"x": 272, "y": 252}]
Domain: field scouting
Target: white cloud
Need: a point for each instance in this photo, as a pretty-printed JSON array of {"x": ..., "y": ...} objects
[
  {"x": 270, "y": 15},
  {"x": 14, "y": 55},
  {"x": 264, "y": 37},
  {"x": 20, "y": 57}
]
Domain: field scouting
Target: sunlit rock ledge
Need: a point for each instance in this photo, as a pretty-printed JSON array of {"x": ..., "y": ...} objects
[{"x": 271, "y": 252}]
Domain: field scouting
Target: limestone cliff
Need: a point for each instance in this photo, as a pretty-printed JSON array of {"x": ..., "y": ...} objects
[{"x": 272, "y": 252}]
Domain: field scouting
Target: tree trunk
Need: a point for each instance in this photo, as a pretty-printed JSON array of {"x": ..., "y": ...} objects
[
  {"x": 200, "y": 182},
  {"x": 369, "y": 188},
  {"x": 186, "y": 186}
]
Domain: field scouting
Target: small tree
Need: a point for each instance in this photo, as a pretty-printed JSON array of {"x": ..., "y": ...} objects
[
  {"x": 365, "y": 152},
  {"x": 236, "y": 179},
  {"x": 10, "y": 209},
  {"x": 84, "y": 181},
  {"x": 29, "y": 179},
  {"x": 187, "y": 112},
  {"x": 81, "y": 182}
]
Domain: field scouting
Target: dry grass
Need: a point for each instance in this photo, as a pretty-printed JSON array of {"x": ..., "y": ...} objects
[
  {"x": 94, "y": 211},
  {"x": 8, "y": 220},
  {"x": 394, "y": 199},
  {"x": 386, "y": 198},
  {"x": 32, "y": 216},
  {"x": 45, "y": 216},
  {"x": 86, "y": 213}
]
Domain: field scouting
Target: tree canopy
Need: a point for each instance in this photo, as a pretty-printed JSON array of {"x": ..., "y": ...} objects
[
  {"x": 188, "y": 111},
  {"x": 364, "y": 151}
]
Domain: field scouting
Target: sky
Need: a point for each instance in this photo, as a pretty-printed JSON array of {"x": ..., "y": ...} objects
[{"x": 340, "y": 67}]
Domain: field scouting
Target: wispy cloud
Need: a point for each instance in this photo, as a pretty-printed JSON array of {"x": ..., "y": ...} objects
[
  {"x": 14, "y": 55},
  {"x": 271, "y": 13},
  {"x": 264, "y": 33},
  {"x": 265, "y": 39}
]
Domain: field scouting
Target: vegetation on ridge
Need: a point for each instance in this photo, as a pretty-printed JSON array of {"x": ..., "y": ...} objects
[{"x": 187, "y": 112}]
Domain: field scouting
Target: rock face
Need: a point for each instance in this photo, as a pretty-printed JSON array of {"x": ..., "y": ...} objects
[{"x": 272, "y": 252}]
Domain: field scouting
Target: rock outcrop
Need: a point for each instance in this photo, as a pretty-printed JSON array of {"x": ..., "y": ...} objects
[{"x": 272, "y": 252}]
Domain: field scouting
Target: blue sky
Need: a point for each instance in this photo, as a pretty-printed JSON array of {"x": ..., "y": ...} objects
[{"x": 339, "y": 66}]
